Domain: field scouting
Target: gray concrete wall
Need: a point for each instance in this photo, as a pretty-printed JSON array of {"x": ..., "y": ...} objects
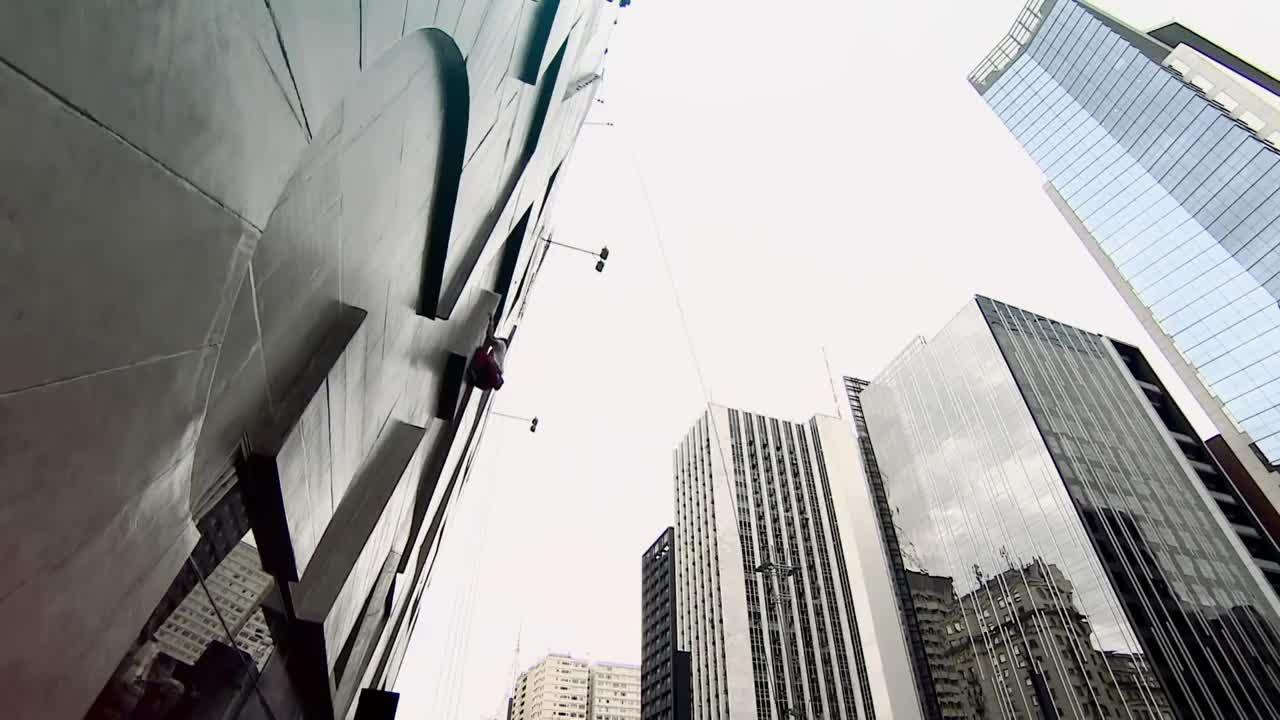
[{"x": 189, "y": 192}]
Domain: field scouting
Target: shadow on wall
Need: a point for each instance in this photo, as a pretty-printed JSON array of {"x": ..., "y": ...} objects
[{"x": 364, "y": 221}]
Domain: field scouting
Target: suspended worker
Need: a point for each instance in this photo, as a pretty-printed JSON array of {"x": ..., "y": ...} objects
[{"x": 487, "y": 361}]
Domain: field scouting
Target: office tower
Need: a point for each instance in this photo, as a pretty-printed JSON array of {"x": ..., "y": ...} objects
[
  {"x": 779, "y": 591},
  {"x": 928, "y": 688},
  {"x": 273, "y": 257},
  {"x": 613, "y": 691},
  {"x": 1227, "y": 495},
  {"x": 664, "y": 667},
  {"x": 235, "y": 591},
  {"x": 554, "y": 689},
  {"x": 1027, "y": 462},
  {"x": 1160, "y": 150}
]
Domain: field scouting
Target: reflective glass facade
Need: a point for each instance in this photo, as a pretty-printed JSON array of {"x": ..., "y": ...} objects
[
  {"x": 1182, "y": 198},
  {"x": 1088, "y": 570}
]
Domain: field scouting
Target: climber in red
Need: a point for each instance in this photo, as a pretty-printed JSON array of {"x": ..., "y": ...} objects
[{"x": 487, "y": 361}]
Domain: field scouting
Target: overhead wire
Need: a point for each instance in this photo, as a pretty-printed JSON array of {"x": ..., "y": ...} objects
[
  {"x": 697, "y": 366},
  {"x": 481, "y": 546}
]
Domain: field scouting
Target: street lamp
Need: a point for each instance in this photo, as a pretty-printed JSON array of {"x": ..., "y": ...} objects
[
  {"x": 533, "y": 421},
  {"x": 602, "y": 255}
]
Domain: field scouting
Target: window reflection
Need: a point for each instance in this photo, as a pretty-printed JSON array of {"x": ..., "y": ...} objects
[
  {"x": 1062, "y": 552},
  {"x": 1182, "y": 198}
]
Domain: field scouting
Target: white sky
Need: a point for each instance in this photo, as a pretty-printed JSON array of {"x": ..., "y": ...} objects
[{"x": 823, "y": 175}]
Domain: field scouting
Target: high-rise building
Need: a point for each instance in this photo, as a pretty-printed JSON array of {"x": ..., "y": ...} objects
[
  {"x": 301, "y": 226},
  {"x": 1029, "y": 464},
  {"x": 905, "y": 585},
  {"x": 1229, "y": 496},
  {"x": 664, "y": 667},
  {"x": 1161, "y": 150},
  {"x": 779, "y": 592},
  {"x": 613, "y": 691},
  {"x": 554, "y": 689},
  {"x": 234, "y": 596}
]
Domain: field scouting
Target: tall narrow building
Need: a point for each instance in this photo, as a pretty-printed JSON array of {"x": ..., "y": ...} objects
[
  {"x": 664, "y": 667},
  {"x": 779, "y": 591},
  {"x": 1160, "y": 150},
  {"x": 1029, "y": 466}
]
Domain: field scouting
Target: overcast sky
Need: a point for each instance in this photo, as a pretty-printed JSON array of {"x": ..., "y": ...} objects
[{"x": 823, "y": 176}]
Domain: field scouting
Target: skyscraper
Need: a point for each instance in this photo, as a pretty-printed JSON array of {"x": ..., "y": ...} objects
[
  {"x": 1026, "y": 462},
  {"x": 1160, "y": 149},
  {"x": 779, "y": 593},
  {"x": 929, "y": 689},
  {"x": 664, "y": 667},
  {"x": 613, "y": 691}
]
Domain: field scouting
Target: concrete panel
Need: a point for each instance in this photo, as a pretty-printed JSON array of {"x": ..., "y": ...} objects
[
  {"x": 474, "y": 14},
  {"x": 531, "y": 37},
  {"x": 382, "y": 25},
  {"x": 195, "y": 84},
  {"x": 346, "y": 387},
  {"x": 354, "y": 547},
  {"x": 296, "y": 272},
  {"x": 420, "y": 14},
  {"x": 67, "y": 627},
  {"x": 370, "y": 176},
  {"x": 476, "y": 212},
  {"x": 448, "y": 12},
  {"x": 323, "y": 46},
  {"x": 129, "y": 426},
  {"x": 237, "y": 397},
  {"x": 146, "y": 267},
  {"x": 486, "y": 68}
]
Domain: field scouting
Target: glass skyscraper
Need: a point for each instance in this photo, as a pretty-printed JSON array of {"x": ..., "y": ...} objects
[
  {"x": 1167, "y": 166},
  {"x": 1068, "y": 549}
]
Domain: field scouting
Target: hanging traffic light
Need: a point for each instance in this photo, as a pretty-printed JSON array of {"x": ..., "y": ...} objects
[{"x": 533, "y": 425}]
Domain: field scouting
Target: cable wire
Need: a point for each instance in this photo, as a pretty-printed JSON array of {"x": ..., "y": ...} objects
[{"x": 782, "y": 704}]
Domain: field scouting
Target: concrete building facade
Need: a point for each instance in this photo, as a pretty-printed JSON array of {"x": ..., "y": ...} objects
[
  {"x": 554, "y": 689},
  {"x": 913, "y": 619},
  {"x": 664, "y": 668},
  {"x": 1029, "y": 465},
  {"x": 779, "y": 588},
  {"x": 613, "y": 691},
  {"x": 249, "y": 245},
  {"x": 1162, "y": 151}
]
